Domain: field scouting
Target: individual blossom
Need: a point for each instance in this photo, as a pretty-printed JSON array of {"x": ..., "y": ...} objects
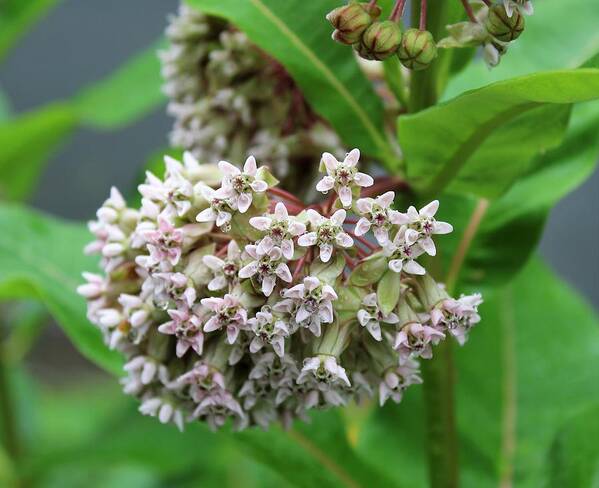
[
  {"x": 220, "y": 209},
  {"x": 173, "y": 287},
  {"x": 416, "y": 340},
  {"x": 457, "y": 316},
  {"x": 343, "y": 176},
  {"x": 266, "y": 266},
  {"x": 186, "y": 326},
  {"x": 280, "y": 230},
  {"x": 217, "y": 407},
  {"x": 397, "y": 379},
  {"x": 402, "y": 252},
  {"x": 371, "y": 316},
  {"x": 239, "y": 186},
  {"x": 165, "y": 243},
  {"x": 378, "y": 215},
  {"x": 422, "y": 226},
  {"x": 228, "y": 314},
  {"x": 139, "y": 313},
  {"x": 326, "y": 234},
  {"x": 325, "y": 370},
  {"x": 224, "y": 270},
  {"x": 268, "y": 329},
  {"x": 200, "y": 380},
  {"x": 524, "y": 6},
  {"x": 310, "y": 303},
  {"x": 147, "y": 369},
  {"x": 166, "y": 409}
]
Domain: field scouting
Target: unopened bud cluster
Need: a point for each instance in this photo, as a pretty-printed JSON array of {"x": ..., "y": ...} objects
[
  {"x": 492, "y": 26},
  {"x": 230, "y": 99},
  {"x": 231, "y": 299},
  {"x": 357, "y": 24}
]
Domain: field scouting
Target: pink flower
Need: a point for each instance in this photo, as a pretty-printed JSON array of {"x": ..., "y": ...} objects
[
  {"x": 280, "y": 230},
  {"x": 325, "y": 370},
  {"x": 402, "y": 252},
  {"x": 228, "y": 314},
  {"x": 378, "y": 215},
  {"x": 239, "y": 186},
  {"x": 395, "y": 381},
  {"x": 186, "y": 326},
  {"x": 268, "y": 330},
  {"x": 225, "y": 271},
  {"x": 165, "y": 242},
  {"x": 415, "y": 340},
  {"x": 371, "y": 316},
  {"x": 422, "y": 225},
  {"x": 267, "y": 266}
]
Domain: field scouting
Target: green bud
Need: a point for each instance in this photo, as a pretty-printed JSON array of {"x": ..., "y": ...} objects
[
  {"x": 349, "y": 21},
  {"x": 381, "y": 39},
  {"x": 417, "y": 49},
  {"x": 503, "y": 27}
]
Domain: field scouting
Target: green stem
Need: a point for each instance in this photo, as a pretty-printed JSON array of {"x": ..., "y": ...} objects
[
  {"x": 438, "y": 373},
  {"x": 10, "y": 437}
]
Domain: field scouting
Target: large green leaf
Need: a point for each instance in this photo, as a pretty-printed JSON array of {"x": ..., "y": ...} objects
[
  {"x": 124, "y": 96},
  {"x": 296, "y": 33},
  {"x": 559, "y": 35},
  {"x": 530, "y": 365},
  {"x": 456, "y": 129},
  {"x": 26, "y": 143},
  {"x": 16, "y": 16},
  {"x": 41, "y": 257},
  {"x": 512, "y": 225},
  {"x": 574, "y": 455}
]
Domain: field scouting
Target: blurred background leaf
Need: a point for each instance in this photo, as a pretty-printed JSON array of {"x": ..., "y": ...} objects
[
  {"x": 16, "y": 17},
  {"x": 41, "y": 257},
  {"x": 295, "y": 33}
]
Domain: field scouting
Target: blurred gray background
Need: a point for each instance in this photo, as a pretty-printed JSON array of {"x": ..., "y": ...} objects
[{"x": 82, "y": 41}]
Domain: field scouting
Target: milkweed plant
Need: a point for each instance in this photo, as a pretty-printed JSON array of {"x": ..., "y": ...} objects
[{"x": 342, "y": 220}]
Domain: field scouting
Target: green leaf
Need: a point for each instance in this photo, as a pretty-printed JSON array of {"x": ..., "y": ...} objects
[
  {"x": 42, "y": 257},
  {"x": 16, "y": 17},
  {"x": 312, "y": 454},
  {"x": 573, "y": 40},
  {"x": 512, "y": 225},
  {"x": 574, "y": 456},
  {"x": 296, "y": 33},
  {"x": 460, "y": 126},
  {"x": 530, "y": 365},
  {"x": 330, "y": 270},
  {"x": 27, "y": 142},
  {"x": 387, "y": 291},
  {"x": 126, "y": 95}
]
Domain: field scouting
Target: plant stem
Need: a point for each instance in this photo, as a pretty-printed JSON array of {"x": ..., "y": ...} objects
[
  {"x": 7, "y": 411},
  {"x": 438, "y": 373}
]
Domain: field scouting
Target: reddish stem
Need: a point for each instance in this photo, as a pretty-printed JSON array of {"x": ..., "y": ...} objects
[
  {"x": 385, "y": 184},
  {"x": 285, "y": 195},
  {"x": 468, "y": 9},
  {"x": 365, "y": 242},
  {"x": 397, "y": 12},
  {"x": 423, "y": 15},
  {"x": 299, "y": 266}
]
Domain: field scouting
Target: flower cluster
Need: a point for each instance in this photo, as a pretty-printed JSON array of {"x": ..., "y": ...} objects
[
  {"x": 491, "y": 25},
  {"x": 234, "y": 301},
  {"x": 229, "y": 99}
]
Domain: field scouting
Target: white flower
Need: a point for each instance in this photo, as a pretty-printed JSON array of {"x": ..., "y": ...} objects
[
  {"x": 377, "y": 213},
  {"x": 525, "y": 6},
  {"x": 395, "y": 381},
  {"x": 165, "y": 243},
  {"x": 224, "y": 270},
  {"x": 422, "y": 225},
  {"x": 280, "y": 230},
  {"x": 325, "y": 370},
  {"x": 343, "y": 176},
  {"x": 220, "y": 209},
  {"x": 371, "y": 316},
  {"x": 228, "y": 314},
  {"x": 267, "y": 265},
  {"x": 268, "y": 330},
  {"x": 146, "y": 369},
  {"x": 310, "y": 303},
  {"x": 240, "y": 186},
  {"x": 326, "y": 234},
  {"x": 402, "y": 251},
  {"x": 164, "y": 409},
  {"x": 415, "y": 340}
]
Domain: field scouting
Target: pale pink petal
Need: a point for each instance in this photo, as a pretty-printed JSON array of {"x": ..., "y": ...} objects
[
  {"x": 344, "y": 240},
  {"x": 244, "y": 201},
  {"x": 308, "y": 239},
  {"x": 249, "y": 166},
  {"x": 228, "y": 169},
  {"x": 442, "y": 228},
  {"x": 283, "y": 272},
  {"x": 345, "y": 196},
  {"x": 386, "y": 199},
  {"x": 364, "y": 205},
  {"x": 364, "y": 180},
  {"x": 362, "y": 227},
  {"x": 429, "y": 246},
  {"x": 338, "y": 217},
  {"x": 413, "y": 267},
  {"x": 326, "y": 250},
  {"x": 281, "y": 211},
  {"x": 260, "y": 223},
  {"x": 396, "y": 265},
  {"x": 249, "y": 270},
  {"x": 330, "y": 162},
  {"x": 268, "y": 284},
  {"x": 325, "y": 184},
  {"x": 352, "y": 157},
  {"x": 259, "y": 186},
  {"x": 430, "y": 210}
]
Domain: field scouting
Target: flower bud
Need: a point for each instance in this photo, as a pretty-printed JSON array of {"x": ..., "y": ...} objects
[
  {"x": 417, "y": 49},
  {"x": 503, "y": 27},
  {"x": 381, "y": 39},
  {"x": 349, "y": 21}
]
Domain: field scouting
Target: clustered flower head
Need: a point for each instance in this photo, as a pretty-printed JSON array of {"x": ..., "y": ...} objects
[
  {"x": 230, "y": 99},
  {"x": 234, "y": 302},
  {"x": 491, "y": 25}
]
